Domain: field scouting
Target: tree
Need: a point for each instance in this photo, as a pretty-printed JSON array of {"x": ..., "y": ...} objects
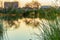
[{"x": 33, "y": 4}]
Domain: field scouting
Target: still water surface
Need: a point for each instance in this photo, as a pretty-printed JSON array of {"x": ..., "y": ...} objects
[{"x": 24, "y": 32}]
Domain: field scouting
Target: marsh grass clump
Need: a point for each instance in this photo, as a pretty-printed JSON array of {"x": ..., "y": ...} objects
[
  {"x": 1, "y": 31},
  {"x": 53, "y": 33}
]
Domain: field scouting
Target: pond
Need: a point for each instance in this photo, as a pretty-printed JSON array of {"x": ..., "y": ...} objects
[
  {"x": 23, "y": 32},
  {"x": 26, "y": 29}
]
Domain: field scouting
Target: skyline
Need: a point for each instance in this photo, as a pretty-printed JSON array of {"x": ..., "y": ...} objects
[{"x": 23, "y": 2}]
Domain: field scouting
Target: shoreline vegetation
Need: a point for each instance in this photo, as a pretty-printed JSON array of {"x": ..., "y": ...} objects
[{"x": 47, "y": 13}]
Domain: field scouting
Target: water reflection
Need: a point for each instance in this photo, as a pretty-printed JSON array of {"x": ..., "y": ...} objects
[
  {"x": 15, "y": 23},
  {"x": 23, "y": 25}
]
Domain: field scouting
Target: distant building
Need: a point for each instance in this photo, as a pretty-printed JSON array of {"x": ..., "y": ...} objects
[
  {"x": 10, "y": 4},
  {"x": 45, "y": 7}
]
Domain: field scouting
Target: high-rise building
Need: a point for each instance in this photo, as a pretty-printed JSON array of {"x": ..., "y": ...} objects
[
  {"x": 10, "y": 4},
  {"x": 2, "y": 2}
]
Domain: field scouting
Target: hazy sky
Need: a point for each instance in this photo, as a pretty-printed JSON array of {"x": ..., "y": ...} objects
[{"x": 43, "y": 2}]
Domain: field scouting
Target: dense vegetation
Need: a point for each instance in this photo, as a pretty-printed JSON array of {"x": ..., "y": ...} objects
[{"x": 46, "y": 13}]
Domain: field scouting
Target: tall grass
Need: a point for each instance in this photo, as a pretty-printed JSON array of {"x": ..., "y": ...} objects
[
  {"x": 1, "y": 31},
  {"x": 53, "y": 33}
]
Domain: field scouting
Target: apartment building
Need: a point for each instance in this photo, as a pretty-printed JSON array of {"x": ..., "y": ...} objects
[{"x": 4, "y": 3}]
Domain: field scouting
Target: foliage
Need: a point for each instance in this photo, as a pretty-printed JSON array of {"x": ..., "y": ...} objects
[
  {"x": 1, "y": 31},
  {"x": 54, "y": 32},
  {"x": 47, "y": 13}
]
